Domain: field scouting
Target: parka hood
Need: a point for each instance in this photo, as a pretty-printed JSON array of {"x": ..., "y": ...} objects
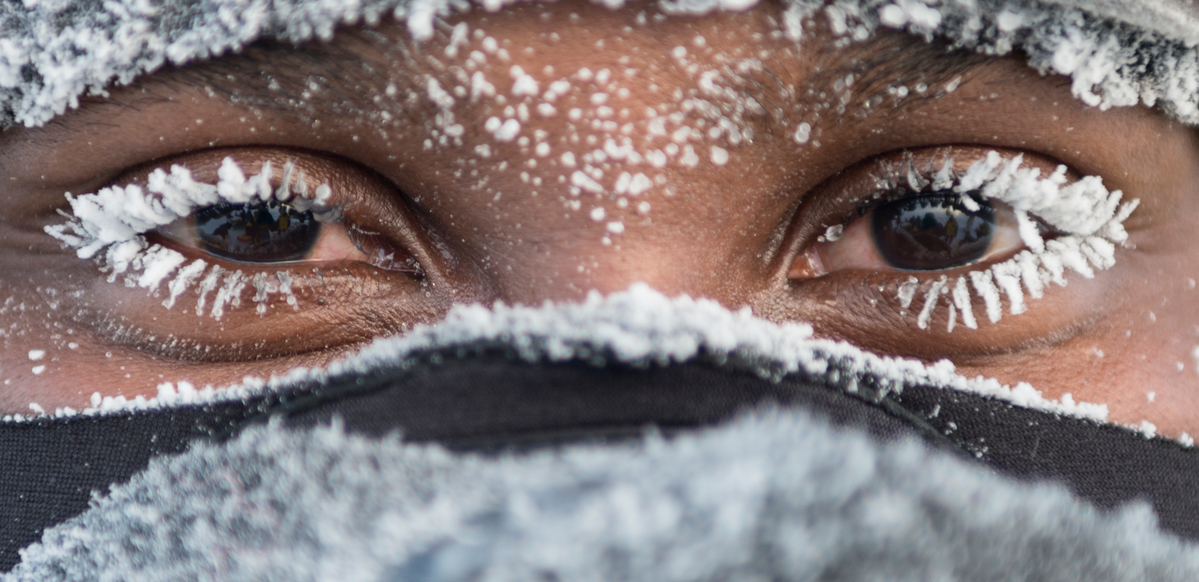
[
  {"x": 633, "y": 436},
  {"x": 1118, "y": 53}
]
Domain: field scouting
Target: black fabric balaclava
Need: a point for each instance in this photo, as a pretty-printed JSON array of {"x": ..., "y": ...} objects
[{"x": 632, "y": 436}]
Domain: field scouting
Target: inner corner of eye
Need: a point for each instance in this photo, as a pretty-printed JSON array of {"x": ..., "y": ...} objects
[{"x": 808, "y": 265}]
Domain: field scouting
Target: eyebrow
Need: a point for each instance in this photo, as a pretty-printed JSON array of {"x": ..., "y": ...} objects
[
  {"x": 336, "y": 79},
  {"x": 897, "y": 58},
  {"x": 321, "y": 79},
  {"x": 891, "y": 60},
  {"x": 274, "y": 73}
]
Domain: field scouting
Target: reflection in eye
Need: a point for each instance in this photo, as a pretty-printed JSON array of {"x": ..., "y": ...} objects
[
  {"x": 931, "y": 232},
  {"x": 928, "y": 232},
  {"x": 271, "y": 232},
  {"x": 383, "y": 254}
]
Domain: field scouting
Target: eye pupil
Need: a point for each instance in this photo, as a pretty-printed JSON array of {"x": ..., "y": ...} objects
[
  {"x": 932, "y": 232},
  {"x": 270, "y": 232}
]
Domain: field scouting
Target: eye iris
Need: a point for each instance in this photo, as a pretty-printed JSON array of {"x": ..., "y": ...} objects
[
  {"x": 257, "y": 233},
  {"x": 932, "y": 232}
]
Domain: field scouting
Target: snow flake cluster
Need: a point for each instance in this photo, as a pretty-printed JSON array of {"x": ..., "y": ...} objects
[{"x": 582, "y": 132}]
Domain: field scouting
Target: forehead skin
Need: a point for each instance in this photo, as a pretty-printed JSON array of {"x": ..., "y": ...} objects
[{"x": 507, "y": 229}]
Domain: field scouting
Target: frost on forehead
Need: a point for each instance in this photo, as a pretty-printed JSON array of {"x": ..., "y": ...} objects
[
  {"x": 54, "y": 52},
  {"x": 604, "y": 136}
]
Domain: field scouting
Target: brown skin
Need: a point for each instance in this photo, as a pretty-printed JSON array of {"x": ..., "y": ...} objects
[{"x": 732, "y": 232}]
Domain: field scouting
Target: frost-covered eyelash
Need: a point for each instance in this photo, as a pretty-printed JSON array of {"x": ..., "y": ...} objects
[
  {"x": 1090, "y": 217},
  {"x": 109, "y": 226}
]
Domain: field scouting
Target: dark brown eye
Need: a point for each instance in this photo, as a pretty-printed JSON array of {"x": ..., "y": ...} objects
[
  {"x": 932, "y": 232},
  {"x": 269, "y": 232}
]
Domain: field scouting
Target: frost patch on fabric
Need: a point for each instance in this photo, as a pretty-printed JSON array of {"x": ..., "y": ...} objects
[
  {"x": 1114, "y": 60},
  {"x": 823, "y": 503}
]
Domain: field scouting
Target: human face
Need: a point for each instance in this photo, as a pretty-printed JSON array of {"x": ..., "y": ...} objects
[{"x": 550, "y": 150}]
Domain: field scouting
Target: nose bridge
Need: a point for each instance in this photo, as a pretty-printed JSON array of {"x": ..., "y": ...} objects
[
  {"x": 708, "y": 231},
  {"x": 564, "y": 262},
  {"x": 563, "y": 259}
]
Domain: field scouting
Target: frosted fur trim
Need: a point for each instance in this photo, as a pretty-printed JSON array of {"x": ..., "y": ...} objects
[
  {"x": 1113, "y": 60},
  {"x": 638, "y": 326},
  {"x": 1172, "y": 19},
  {"x": 54, "y": 51},
  {"x": 773, "y": 496}
]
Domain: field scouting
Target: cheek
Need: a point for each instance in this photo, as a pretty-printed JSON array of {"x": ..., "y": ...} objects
[
  {"x": 67, "y": 333},
  {"x": 1155, "y": 341},
  {"x": 39, "y": 338}
]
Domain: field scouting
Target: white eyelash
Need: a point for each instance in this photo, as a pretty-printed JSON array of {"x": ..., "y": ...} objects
[
  {"x": 109, "y": 227},
  {"x": 1091, "y": 218}
]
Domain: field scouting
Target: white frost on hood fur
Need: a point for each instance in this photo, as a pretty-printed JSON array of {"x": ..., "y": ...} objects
[
  {"x": 1119, "y": 53},
  {"x": 773, "y": 496}
]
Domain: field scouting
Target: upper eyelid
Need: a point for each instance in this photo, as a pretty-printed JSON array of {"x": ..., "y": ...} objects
[
  {"x": 889, "y": 173},
  {"x": 120, "y": 214},
  {"x": 839, "y": 201},
  {"x": 1089, "y": 217},
  {"x": 88, "y": 148},
  {"x": 1029, "y": 190}
]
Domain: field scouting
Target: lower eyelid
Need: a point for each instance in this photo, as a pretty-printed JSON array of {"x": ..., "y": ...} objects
[
  {"x": 281, "y": 313},
  {"x": 865, "y": 309}
]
